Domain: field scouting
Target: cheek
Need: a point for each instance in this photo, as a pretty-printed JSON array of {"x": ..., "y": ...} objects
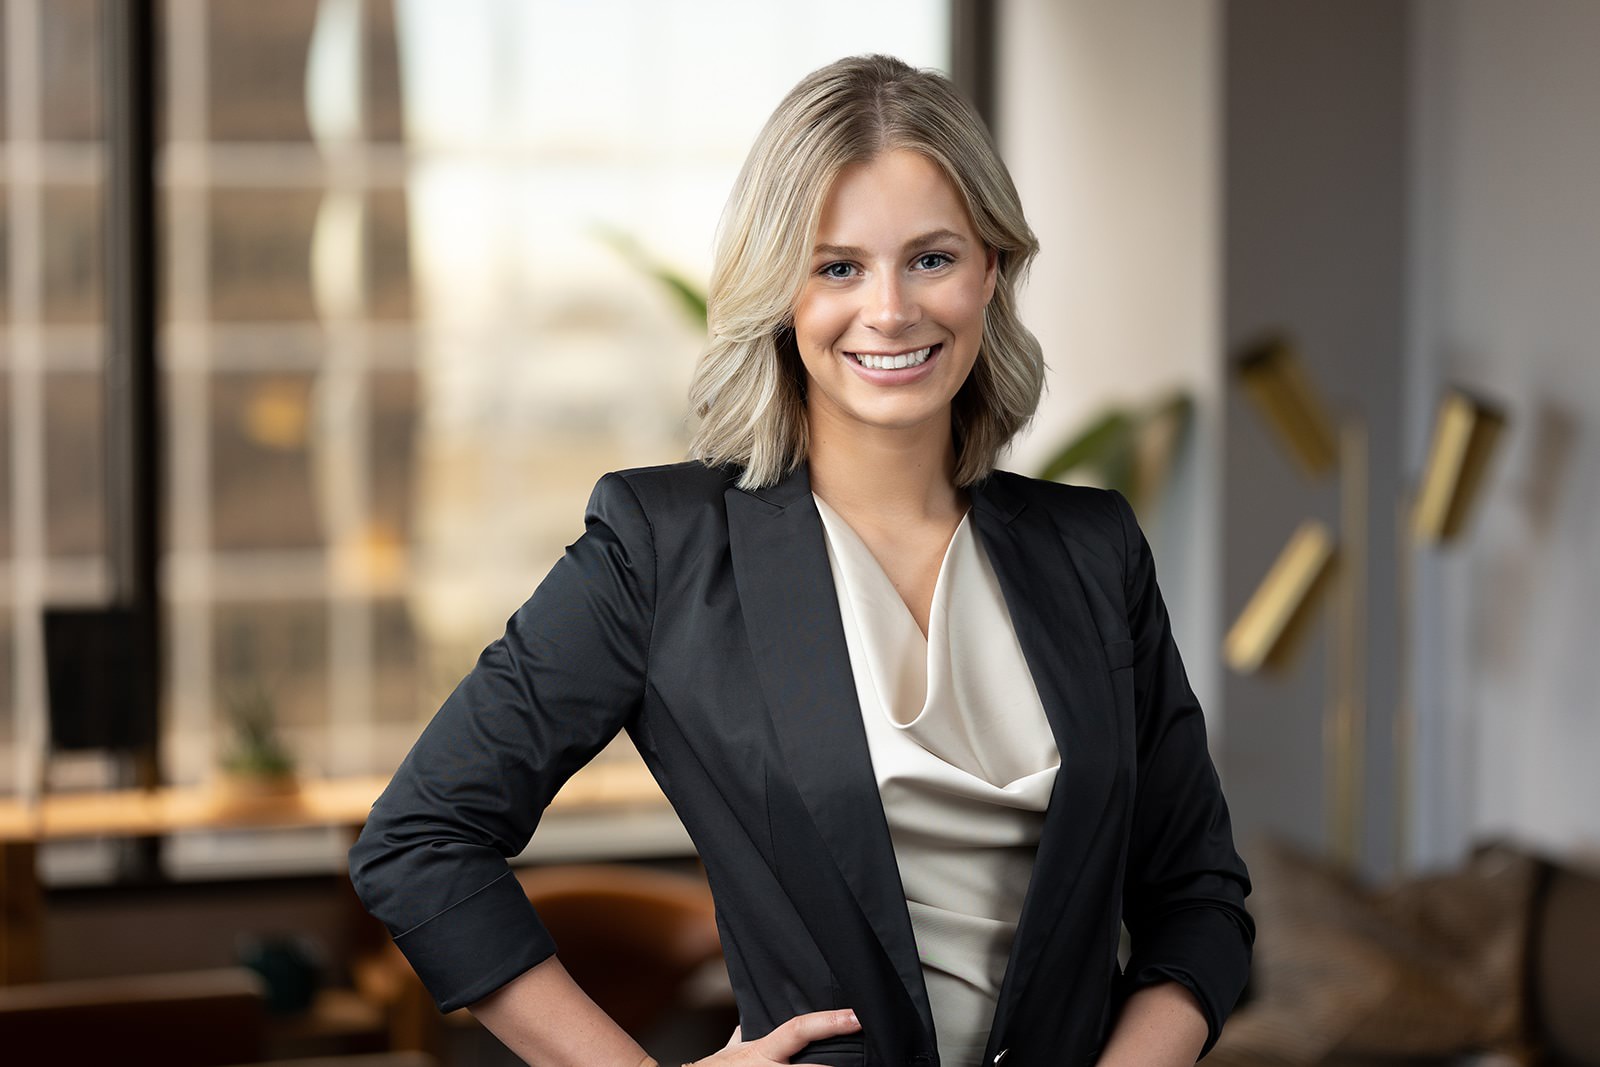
[
  {"x": 961, "y": 306},
  {"x": 818, "y": 320}
]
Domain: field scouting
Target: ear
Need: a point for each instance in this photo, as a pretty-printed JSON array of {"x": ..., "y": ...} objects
[{"x": 991, "y": 273}]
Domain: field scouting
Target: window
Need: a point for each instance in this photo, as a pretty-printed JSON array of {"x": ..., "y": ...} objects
[
  {"x": 52, "y": 471},
  {"x": 399, "y": 341}
]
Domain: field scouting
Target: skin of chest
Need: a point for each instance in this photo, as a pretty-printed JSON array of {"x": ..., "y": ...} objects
[{"x": 910, "y": 558}]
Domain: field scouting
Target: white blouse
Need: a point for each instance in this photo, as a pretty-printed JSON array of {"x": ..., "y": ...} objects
[{"x": 964, "y": 759}]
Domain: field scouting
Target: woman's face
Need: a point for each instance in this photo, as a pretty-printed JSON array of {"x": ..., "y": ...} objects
[{"x": 891, "y": 316}]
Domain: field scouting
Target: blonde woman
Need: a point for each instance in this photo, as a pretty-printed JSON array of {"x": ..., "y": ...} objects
[{"x": 923, "y": 718}]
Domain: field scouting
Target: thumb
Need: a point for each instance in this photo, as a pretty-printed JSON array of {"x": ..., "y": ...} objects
[{"x": 800, "y": 1031}]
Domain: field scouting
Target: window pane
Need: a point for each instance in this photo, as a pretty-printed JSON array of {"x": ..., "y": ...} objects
[
  {"x": 261, "y": 451},
  {"x": 75, "y": 504},
  {"x": 257, "y": 68},
  {"x": 402, "y": 695},
  {"x": 385, "y": 111},
  {"x": 393, "y": 456},
  {"x": 5, "y": 248},
  {"x": 70, "y": 64},
  {"x": 8, "y": 726},
  {"x": 270, "y": 656},
  {"x": 73, "y": 251},
  {"x": 260, "y": 254},
  {"x": 388, "y": 255},
  {"x": 5, "y": 87},
  {"x": 5, "y": 482}
]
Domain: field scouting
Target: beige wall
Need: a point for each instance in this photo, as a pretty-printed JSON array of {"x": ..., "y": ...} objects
[{"x": 1107, "y": 117}]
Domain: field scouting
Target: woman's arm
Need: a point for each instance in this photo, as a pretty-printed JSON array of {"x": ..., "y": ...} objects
[
  {"x": 566, "y": 676},
  {"x": 1184, "y": 885},
  {"x": 546, "y": 1019},
  {"x": 1160, "y": 1026}
]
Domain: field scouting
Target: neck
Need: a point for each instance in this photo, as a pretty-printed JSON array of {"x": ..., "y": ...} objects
[{"x": 896, "y": 475}]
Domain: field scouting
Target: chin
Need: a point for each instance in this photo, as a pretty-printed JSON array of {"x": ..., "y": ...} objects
[{"x": 898, "y": 418}]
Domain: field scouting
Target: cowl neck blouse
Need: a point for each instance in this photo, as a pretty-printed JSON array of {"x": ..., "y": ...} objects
[{"x": 964, "y": 760}]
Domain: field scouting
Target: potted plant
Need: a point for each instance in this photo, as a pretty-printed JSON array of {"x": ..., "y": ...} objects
[{"x": 257, "y": 762}]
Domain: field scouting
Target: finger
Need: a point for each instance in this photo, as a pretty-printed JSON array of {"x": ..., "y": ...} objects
[
  {"x": 800, "y": 1031},
  {"x": 735, "y": 1040}
]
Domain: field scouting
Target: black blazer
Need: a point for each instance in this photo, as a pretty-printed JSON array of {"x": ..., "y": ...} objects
[{"x": 702, "y": 619}]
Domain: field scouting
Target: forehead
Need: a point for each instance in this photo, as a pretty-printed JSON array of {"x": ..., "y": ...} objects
[{"x": 894, "y": 194}]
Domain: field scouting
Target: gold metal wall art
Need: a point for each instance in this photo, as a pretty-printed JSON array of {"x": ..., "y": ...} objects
[
  {"x": 1267, "y": 631},
  {"x": 1466, "y": 429},
  {"x": 1275, "y": 380},
  {"x": 1264, "y": 637}
]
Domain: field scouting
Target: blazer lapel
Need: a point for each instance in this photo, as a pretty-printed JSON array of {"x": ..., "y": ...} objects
[
  {"x": 1064, "y": 650},
  {"x": 791, "y": 614}
]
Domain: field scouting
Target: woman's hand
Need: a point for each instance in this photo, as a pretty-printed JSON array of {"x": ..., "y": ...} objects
[{"x": 783, "y": 1042}]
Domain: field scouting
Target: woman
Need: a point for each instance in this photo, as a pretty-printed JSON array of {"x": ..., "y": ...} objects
[{"x": 924, "y": 719}]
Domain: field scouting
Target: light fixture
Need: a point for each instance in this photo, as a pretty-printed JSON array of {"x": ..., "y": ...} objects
[{"x": 1465, "y": 431}]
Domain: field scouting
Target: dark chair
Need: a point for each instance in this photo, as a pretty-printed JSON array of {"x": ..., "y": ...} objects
[
  {"x": 1563, "y": 975},
  {"x": 191, "y": 1019},
  {"x": 632, "y": 937}
]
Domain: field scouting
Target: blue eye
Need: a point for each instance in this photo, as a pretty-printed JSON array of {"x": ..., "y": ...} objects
[
  {"x": 832, "y": 270},
  {"x": 938, "y": 259}
]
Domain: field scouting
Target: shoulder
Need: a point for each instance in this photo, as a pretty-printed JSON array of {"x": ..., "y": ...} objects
[
  {"x": 1097, "y": 518},
  {"x": 671, "y": 485},
  {"x": 675, "y": 503},
  {"x": 684, "y": 476}
]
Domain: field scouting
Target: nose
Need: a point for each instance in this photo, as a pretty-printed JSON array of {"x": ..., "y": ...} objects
[{"x": 891, "y": 306}]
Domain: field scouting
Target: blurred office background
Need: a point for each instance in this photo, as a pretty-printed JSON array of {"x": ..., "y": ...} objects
[{"x": 409, "y": 306}]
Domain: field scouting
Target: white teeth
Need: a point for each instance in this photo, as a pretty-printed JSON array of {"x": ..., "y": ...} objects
[{"x": 905, "y": 359}]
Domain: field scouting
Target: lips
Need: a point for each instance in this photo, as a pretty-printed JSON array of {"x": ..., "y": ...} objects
[{"x": 879, "y": 367}]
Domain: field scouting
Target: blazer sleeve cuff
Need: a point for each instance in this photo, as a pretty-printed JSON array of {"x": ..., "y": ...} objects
[
  {"x": 477, "y": 945},
  {"x": 1206, "y": 951}
]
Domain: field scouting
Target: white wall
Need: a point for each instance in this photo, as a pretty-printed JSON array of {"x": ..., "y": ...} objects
[
  {"x": 1506, "y": 297},
  {"x": 1108, "y": 121}
]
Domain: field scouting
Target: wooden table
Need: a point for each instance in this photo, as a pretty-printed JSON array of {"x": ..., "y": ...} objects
[{"x": 146, "y": 813}]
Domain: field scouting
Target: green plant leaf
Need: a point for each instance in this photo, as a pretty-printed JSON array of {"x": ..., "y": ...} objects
[
  {"x": 690, "y": 297},
  {"x": 1095, "y": 447},
  {"x": 1129, "y": 450}
]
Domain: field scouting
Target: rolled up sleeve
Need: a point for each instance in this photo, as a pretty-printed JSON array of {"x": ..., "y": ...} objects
[{"x": 541, "y": 701}]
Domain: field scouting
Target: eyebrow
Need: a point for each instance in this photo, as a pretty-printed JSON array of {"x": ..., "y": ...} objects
[{"x": 931, "y": 237}]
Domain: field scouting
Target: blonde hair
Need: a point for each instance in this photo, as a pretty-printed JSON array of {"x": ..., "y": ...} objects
[{"x": 748, "y": 388}]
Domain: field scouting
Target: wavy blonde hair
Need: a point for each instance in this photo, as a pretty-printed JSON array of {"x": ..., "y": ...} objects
[{"x": 748, "y": 388}]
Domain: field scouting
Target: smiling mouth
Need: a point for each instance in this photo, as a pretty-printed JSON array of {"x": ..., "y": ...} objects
[{"x": 895, "y": 362}]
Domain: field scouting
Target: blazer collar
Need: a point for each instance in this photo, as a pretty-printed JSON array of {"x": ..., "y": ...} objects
[
  {"x": 792, "y": 618},
  {"x": 994, "y": 494}
]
